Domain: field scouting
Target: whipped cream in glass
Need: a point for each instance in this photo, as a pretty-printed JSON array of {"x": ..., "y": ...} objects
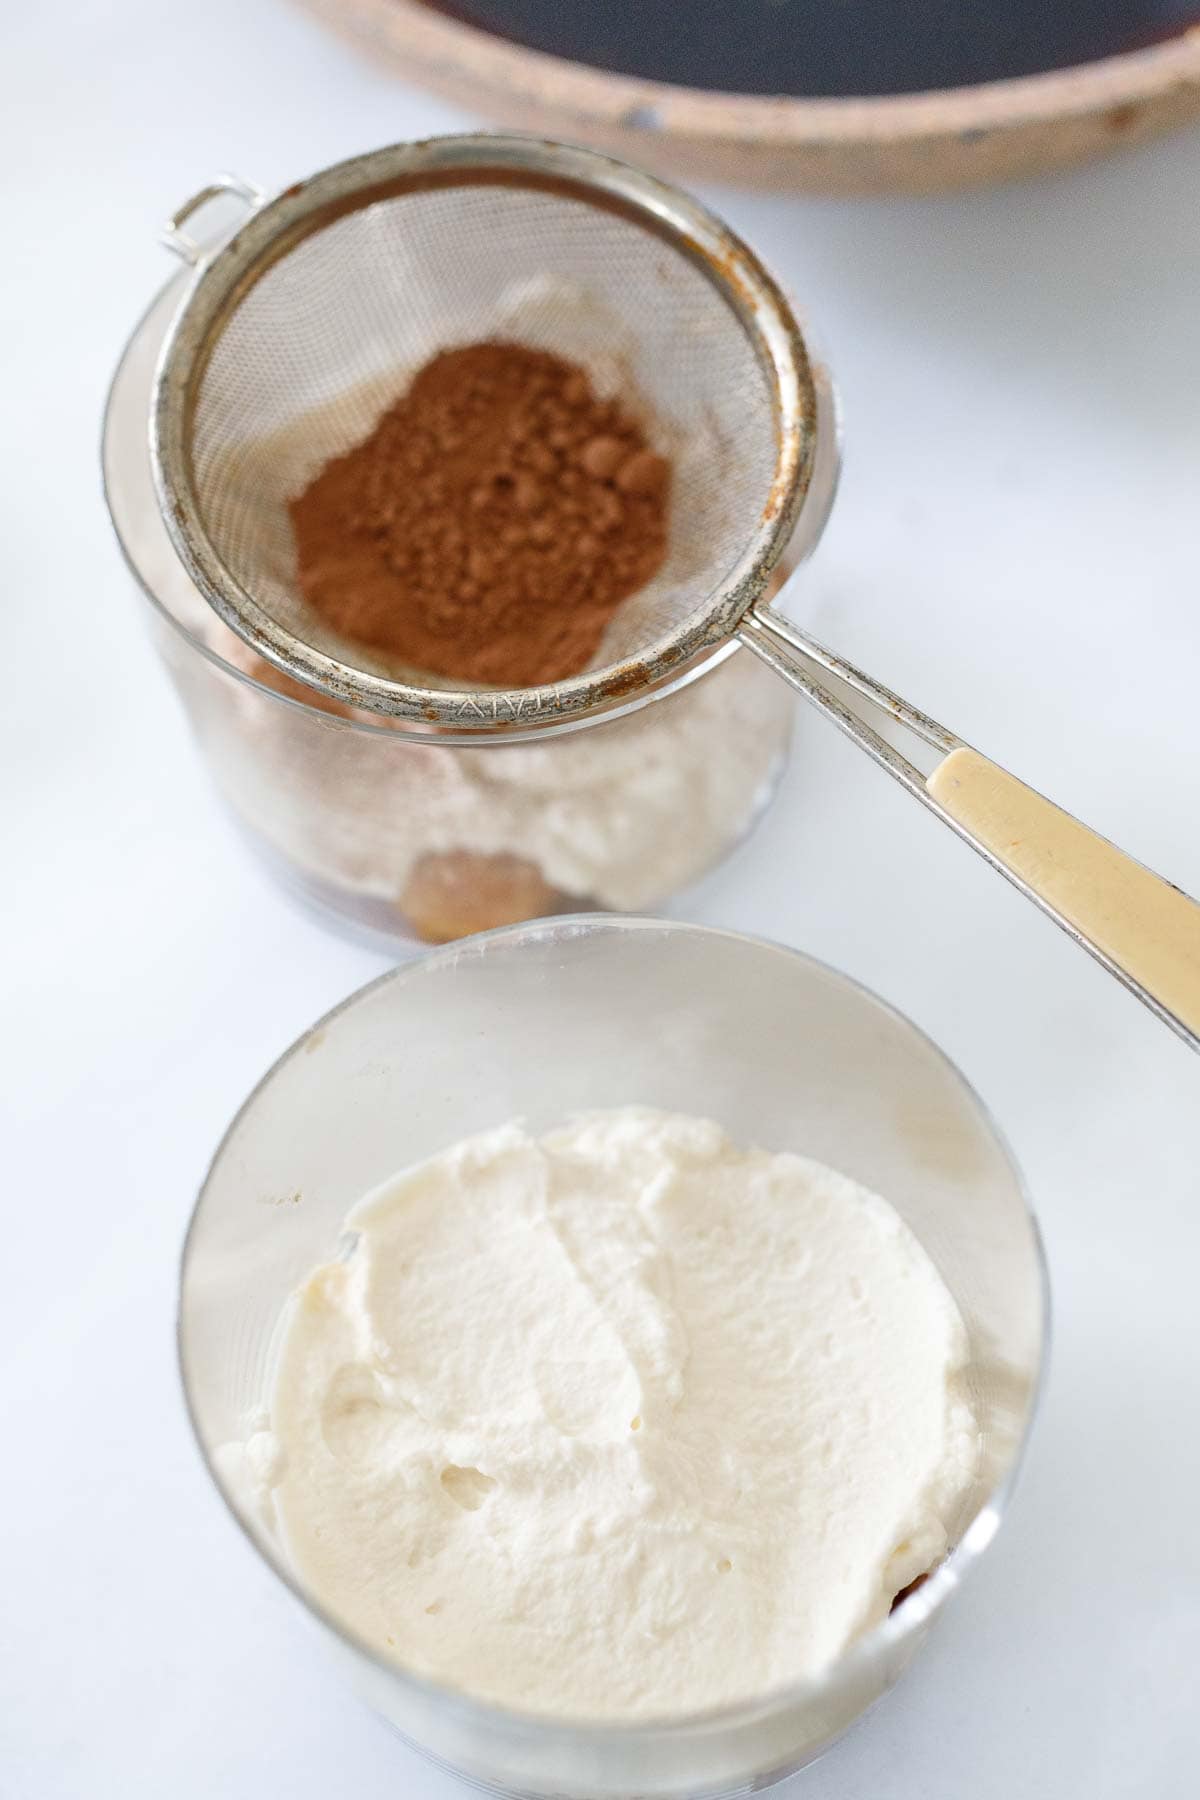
[{"x": 618, "y": 1422}]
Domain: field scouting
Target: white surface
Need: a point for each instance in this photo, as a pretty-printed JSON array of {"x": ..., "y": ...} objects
[{"x": 1015, "y": 546}]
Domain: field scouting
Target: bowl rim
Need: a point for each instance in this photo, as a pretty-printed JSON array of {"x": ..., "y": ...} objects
[
  {"x": 615, "y": 100},
  {"x": 906, "y": 1622}
]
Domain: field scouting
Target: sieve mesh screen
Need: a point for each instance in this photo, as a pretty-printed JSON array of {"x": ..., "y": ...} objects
[
  {"x": 335, "y": 330},
  {"x": 325, "y": 326}
]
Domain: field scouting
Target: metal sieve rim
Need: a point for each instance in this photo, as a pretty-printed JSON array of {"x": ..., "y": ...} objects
[{"x": 274, "y": 229}]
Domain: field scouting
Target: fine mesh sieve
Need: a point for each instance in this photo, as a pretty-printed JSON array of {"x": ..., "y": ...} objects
[
  {"x": 302, "y": 327},
  {"x": 315, "y": 315}
]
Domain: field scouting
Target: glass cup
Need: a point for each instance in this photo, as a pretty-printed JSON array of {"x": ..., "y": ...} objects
[
  {"x": 563, "y": 1016},
  {"x": 426, "y": 833}
]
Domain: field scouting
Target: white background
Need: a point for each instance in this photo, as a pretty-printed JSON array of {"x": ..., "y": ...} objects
[{"x": 1015, "y": 547}]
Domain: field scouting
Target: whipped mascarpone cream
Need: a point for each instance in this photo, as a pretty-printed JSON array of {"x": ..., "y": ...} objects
[
  {"x": 621, "y": 815},
  {"x": 620, "y": 1421}
]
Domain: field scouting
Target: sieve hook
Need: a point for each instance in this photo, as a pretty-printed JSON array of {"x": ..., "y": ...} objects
[
  {"x": 1142, "y": 928},
  {"x": 180, "y": 242}
]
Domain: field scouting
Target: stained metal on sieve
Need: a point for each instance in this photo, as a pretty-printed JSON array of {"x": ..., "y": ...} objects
[{"x": 313, "y": 315}]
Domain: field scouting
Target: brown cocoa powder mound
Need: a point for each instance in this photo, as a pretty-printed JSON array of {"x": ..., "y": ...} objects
[{"x": 491, "y": 524}]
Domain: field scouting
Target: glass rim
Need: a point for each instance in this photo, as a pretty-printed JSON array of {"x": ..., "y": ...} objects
[{"x": 904, "y": 1623}]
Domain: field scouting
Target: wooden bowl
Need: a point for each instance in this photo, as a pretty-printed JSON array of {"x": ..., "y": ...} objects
[{"x": 910, "y": 143}]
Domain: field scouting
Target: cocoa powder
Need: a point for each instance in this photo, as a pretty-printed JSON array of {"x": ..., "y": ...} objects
[{"x": 491, "y": 524}]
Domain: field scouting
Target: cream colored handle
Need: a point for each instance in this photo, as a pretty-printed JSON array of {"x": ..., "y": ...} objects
[{"x": 1146, "y": 930}]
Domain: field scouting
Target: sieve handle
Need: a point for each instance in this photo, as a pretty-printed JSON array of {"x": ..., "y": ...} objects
[
  {"x": 186, "y": 247},
  {"x": 1143, "y": 929}
]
